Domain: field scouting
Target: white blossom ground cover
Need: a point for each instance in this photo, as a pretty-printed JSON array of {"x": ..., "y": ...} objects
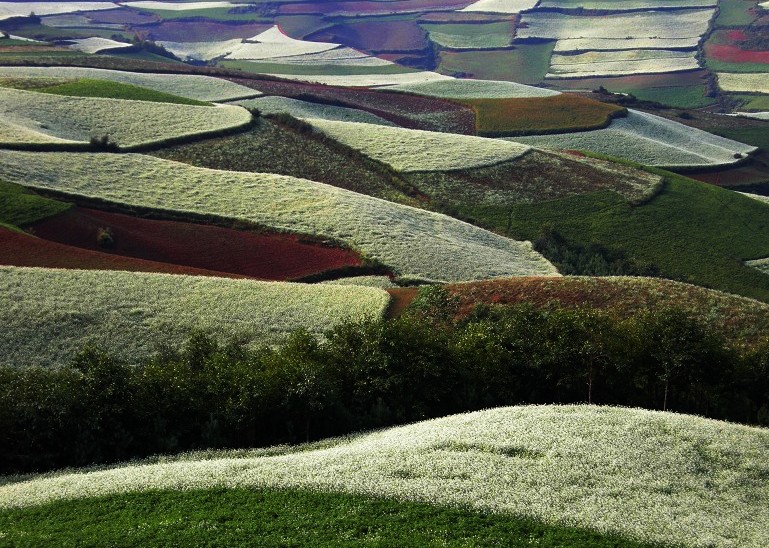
[
  {"x": 23, "y": 9},
  {"x": 417, "y": 150},
  {"x": 201, "y": 51},
  {"x": 616, "y": 5},
  {"x": 382, "y": 282},
  {"x": 414, "y": 242},
  {"x": 617, "y": 44},
  {"x": 178, "y": 6},
  {"x": 273, "y": 43},
  {"x": 754, "y": 115},
  {"x": 648, "y": 475},
  {"x": 49, "y": 315},
  {"x": 96, "y": 44},
  {"x": 343, "y": 56},
  {"x": 28, "y": 117},
  {"x": 474, "y": 89},
  {"x": 649, "y": 140},
  {"x": 501, "y": 6},
  {"x": 619, "y": 63},
  {"x": 366, "y": 80},
  {"x": 191, "y": 86},
  {"x": 275, "y": 104},
  {"x": 651, "y": 24},
  {"x": 748, "y": 82}
]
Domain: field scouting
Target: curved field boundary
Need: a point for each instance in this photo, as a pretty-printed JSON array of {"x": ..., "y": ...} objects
[
  {"x": 654, "y": 477},
  {"x": 49, "y": 315},
  {"x": 409, "y": 150},
  {"x": 191, "y": 86},
  {"x": 413, "y": 242},
  {"x": 32, "y": 118},
  {"x": 650, "y": 140}
]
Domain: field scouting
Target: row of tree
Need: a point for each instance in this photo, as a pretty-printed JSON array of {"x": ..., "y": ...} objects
[{"x": 370, "y": 375}]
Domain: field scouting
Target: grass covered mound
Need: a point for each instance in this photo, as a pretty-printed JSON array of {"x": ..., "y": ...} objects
[
  {"x": 541, "y": 115},
  {"x": 267, "y": 517},
  {"x": 650, "y": 476}
]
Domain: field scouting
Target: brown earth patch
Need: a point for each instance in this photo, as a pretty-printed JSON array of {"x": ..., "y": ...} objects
[{"x": 266, "y": 256}]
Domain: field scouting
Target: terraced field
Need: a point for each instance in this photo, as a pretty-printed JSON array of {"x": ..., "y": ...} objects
[
  {"x": 31, "y": 118},
  {"x": 191, "y": 86},
  {"x": 415, "y": 150},
  {"x": 50, "y": 314},
  {"x": 643, "y": 475},
  {"x": 413, "y": 242},
  {"x": 649, "y": 140}
]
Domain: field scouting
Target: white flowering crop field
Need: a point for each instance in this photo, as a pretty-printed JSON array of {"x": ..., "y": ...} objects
[
  {"x": 417, "y": 150},
  {"x": 201, "y": 51},
  {"x": 276, "y": 104},
  {"x": 343, "y": 56},
  {"x": 618, "y": 63},
  {"x": 366, "y": 80},
  {"x": 501, "y": 6},
  {"x": 48, "y": 315},
  {"x": 273, "y": 43},
  {"x": 649, "y": 140},
  {"x": 414, "y": 242},
  {"x": 23, "y": 9},
  {"x": 128, "y": 123},
  {"x": 177, "y": 6},
  {"x": 651, "y": 24},
  {"x": 96, "y": 44},
  {"x": 748, "y": 82},
  {"x": 647, "y": 475},
  {"x": 617, "y": 44},
  {"x": 616, "y": 5},
  {"x": 191, "y": 86},
  {"x": 474, "y": 89}
]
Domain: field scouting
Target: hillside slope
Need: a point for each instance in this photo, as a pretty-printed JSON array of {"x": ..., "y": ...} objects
[{"x": 651, "y": 476}]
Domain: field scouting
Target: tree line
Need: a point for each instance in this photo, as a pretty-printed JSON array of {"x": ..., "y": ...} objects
[{"x": 369, "y": 375}]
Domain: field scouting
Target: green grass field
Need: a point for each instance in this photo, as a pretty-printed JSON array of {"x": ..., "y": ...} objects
[
  {"x": 692, "y": 231},
  {"x": 87, "y": 87},
  {"x": 676, "y": 97},
  {"x": 20, "y": 207},
  {"x": 758, "y": 137},
  {"x": 242, "y": 517},
  {"x": 724, "y": 66},
  {"x": 753, "y": 102},
  {"x": 525, "y": 64},
  {"x": 734, "y": 13}
]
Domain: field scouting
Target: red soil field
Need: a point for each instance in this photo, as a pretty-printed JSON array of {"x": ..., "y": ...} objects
[
  {"x": 622, "y": 297},
  {"x": 639, "y": 81},
  {"x": 372, "y": 8},
  {"x": 265, "y": 256},
  {"x": 376, "y": 36},
  {"x": 734, "y": 54},
  {"x": 400, "y": 299},
  {"x": 409, "y": 111},
  {"x": 203, "y": 31},
  {"x": 18, "y": 249},
  {"x": 736, "y": 35}
]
